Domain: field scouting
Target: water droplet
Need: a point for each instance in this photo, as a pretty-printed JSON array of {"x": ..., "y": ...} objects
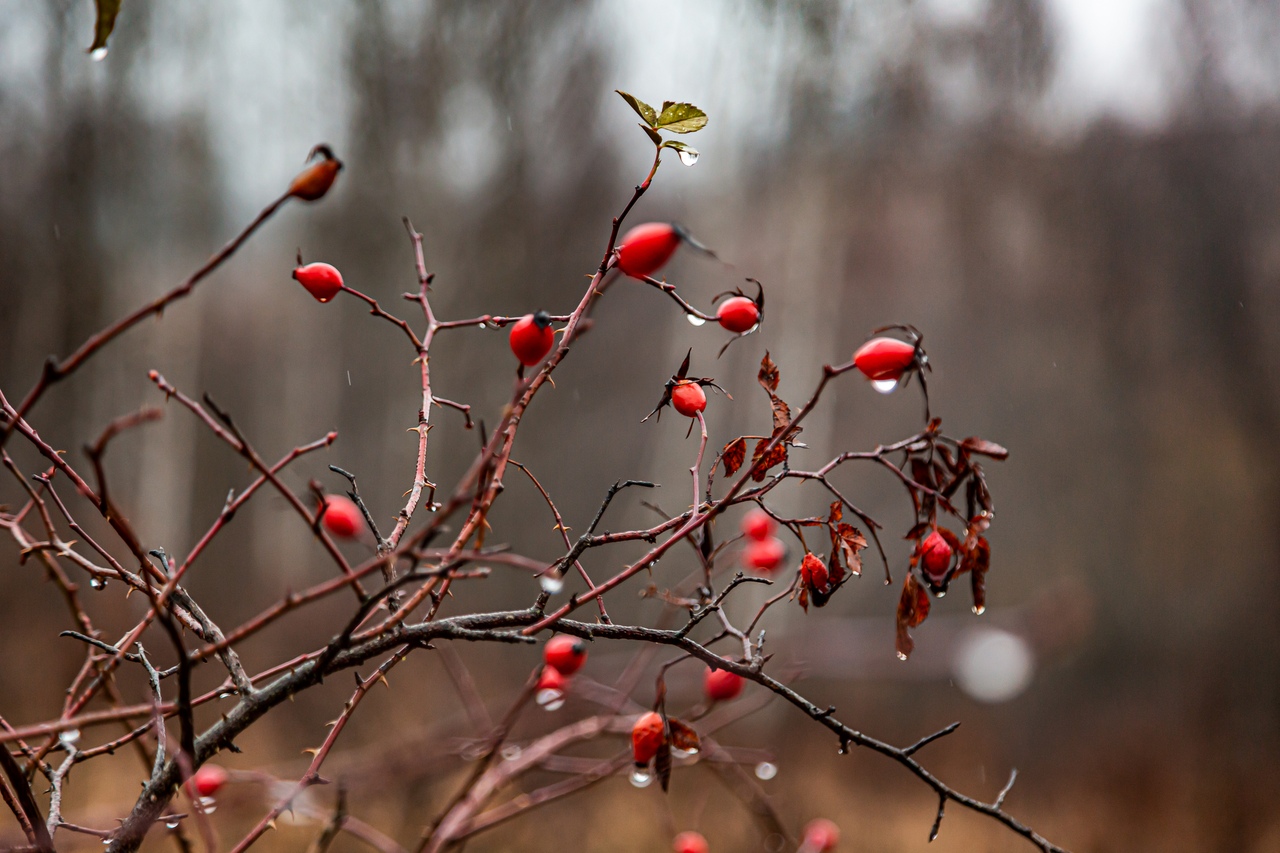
[
  {"x": 641, "y": 777},
  {"x": 106, "y": 842},
  {"x": 433, "y": 506},
  {"x": 472, "y": 753},
  {"x": 551, "y": 583},
  {"x": 683, "y": 753},
  {"x": 69, "y": 738},
  {"x": 171, "y": 824},
  {"x": 206, "y": 805},
  {"x": 884, "y": 386},
  {"x": 688, "y": 156},
  {"x": 98, "y": 583},
  {"x": 695, "y": 320},
  {"x": 901, "y": 656},
  {"x": 98, "y": 55},
  {"x": 482, "y": 325},
  {"x": 775, "y": 843},
  {"x": 766, "y": 770},
  {"x": 226, "y": 694},
  {"x": 979, "y": 609},
  {"x": 942, "y": 593},
  {"x": 550, "y": 700},
  {"x": 511, "y": 752}
]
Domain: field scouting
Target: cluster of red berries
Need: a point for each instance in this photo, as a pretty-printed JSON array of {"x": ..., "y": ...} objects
[
  {"x": 764, "y": 551},
  {"x": 561, "y": 658}
]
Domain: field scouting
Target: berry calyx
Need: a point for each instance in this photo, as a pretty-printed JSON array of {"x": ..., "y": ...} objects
[
  {"x": 720, "y": 685},
  {"x": 758, "y": 524},
  {"x": 531, "y": 338},
  {"x": 646, "y": 248},
  {"x": 647, "y": 737},
  {"x": 765, "y": 555},
  {"x": 323, "y": 281},
  {"x": 690, "y": 842},
  {"x": 342, "y": 517},
  {"x": 565, "y": 654},
  {"x": 935, "y": 557},
  {"x": 688, "y": 398},
  {"x": 738, "y": 314},
  {"x": 820, "y": 836},
  {"x": 884, "y": 359},
  {"x": 209, "y": 779}
]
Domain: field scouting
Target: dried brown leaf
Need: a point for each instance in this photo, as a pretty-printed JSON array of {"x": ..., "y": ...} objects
[
  {"x": 734, "y": 454},
  {"x": 973, "y": 444}
]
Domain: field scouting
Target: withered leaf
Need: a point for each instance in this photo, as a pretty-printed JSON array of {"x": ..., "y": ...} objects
[
  {"x": 769, "y": 374},
  {"x": 734, "y": 454},
  {"x": 684, "y": 365},
  {"x": 973, "y": 444},
  {"x": 683, "y": 736},
  {"x": 913, "y": 608},
  {"x": 760, "y": 464},
  {"x": 851, "y": 541},
  {"x": 979, "y": 561}
]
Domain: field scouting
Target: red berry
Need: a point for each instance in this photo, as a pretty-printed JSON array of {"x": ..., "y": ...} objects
[
  {"x": 531, "y": 338},
  {"x": 688, "y": 398},
  {"x": 646, "y": 737},
  {"x": 935, "y": 557},
  {"x": 758, "y": 524},
  {"x": 551, "y": 679},
  {"x": 821, "y": 836},
  {"x": 721, "y": 685},
  {"x": 645, "y": 248},
  {"x": 738, "y": 314},
  {"x": 342, "y": 517},
  {"x": 322, "y": 281},
  {"x": 565, "y": 654},
  {"x": 690, "y": 842},
  {"x": 765, "y": 554},
  {"x": 209, "y": 779},
  {"x": 885, "y": 358}
]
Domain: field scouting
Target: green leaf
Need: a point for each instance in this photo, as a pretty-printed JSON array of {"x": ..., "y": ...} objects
[
  {"x": 107, "y": 11},
  {"x": 653, "y": 134},
  {"x": 681, "y": 118},
  {"x": 646, "y": 112}
]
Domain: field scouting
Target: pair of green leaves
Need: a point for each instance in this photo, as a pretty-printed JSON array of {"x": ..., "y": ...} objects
[{"x": 675, "y": 117}]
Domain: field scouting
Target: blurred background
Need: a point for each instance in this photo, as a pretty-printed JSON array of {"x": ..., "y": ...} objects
[{"x": 1076, "y": 201}]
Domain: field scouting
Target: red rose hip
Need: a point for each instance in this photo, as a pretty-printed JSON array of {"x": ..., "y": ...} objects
[
  {"x": 758, "y": 524},
  {"x": 935, "y": 557},
  {"x": 342, "y": 517},
  {"x": 690, "y": 842},
  {"x": 688, "y": 398},
  {"x": 646, "y": 248},
  {"x": 820, "y": 836},
  {"x": 720, "y": 685},
  {"x": 738, "y": 314},
  {"x": 531, "y": 338},
  {"x": 209, "y": 779},
  {"x": 323, "y": 281},
  {"x": 565, "y": 654},
  {"x": 882, "y": 359},
  {"x": 766, "y": 554},
  {"x": 646, "y": 737}
]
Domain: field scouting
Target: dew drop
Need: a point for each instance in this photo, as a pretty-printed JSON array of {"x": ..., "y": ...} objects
[
  {"x": 979, "y": 609},
  {"x": 511, "y": 752},
  {"x": 69, "y": 738},
  {"x": 106, "y": 842},
  {"x": 550, "y": 700},
  {"x": 98, "y": 583},
  {"x": 885, "y": 386},
  {"x": 171, "y": 824},
  {"x": 695, "y": 320},
  {"x": 684, "y": 753},
  {"x": 901, "y": 656},
  {"x": 482, "y": 325},
  {"x": 641, "y": 777},
  {"x": 550, "y": 583},
  {"x": 766, "y": 770},
  {"x": 206, "y": 805},
  {"x": 100, "y": 54},
  {"x": 942, "y": 593},
  {"x": 688, "y": 156}
]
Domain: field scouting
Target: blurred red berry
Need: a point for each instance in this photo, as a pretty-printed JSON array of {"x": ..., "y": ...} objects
[
  {"x": 645, "y": 248},
  {"x": 342, "y": 517},
  {"x": 322, "y": 281},
  {"x": 721, "y": 685},
  {"x": 690, "y": 842},
  {"x": 531, "y": 338},
  {"x": 565, "y": 654},
  {"x": 765, "y": 554},
  {"x": 758, "y": 524},
  {"x": 209, "y": 779},
  {"x": 821, "y": 836}
]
